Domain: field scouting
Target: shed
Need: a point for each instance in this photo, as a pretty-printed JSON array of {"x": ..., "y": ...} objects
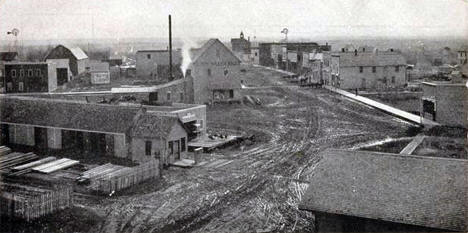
[
  {"x": 77, "y": 59},
  {"x": 372, "y": 191}
]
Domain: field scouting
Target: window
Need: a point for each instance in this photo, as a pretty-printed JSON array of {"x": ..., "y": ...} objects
[
  {"x": 226, "y": 72},
  {"x": 153, "y": 96},
  {"x": 9, "y": 86},
  {"x": 20, "y": 86},
  {"x": 385, "y": 80},
  {"x": 21, "y": 73},
  {"x": 168, "y": 97},
  {"x": 397, "y": 69},
  {"x": 393, "y": 79},
  {"x": 1, "y": 72},
  {"x": 181, "y": 96},
  {"x": 231, "y": 94},
  {"x": 148, "y": 56},
  {"x": 148, "y": 146},
  {"x": 182, "y": 144},
  {"x": 374, "y": 69},
  {"x": 38, "y": 73},
  {"x": 208, "y": 71},
  {"x": 30, "y": 73},
  {"x": 361, "y": 69},
  {"x": 171, "y": 148},
  {"x": 13, "y": 73},
  {"x": 256, "y": 54}
]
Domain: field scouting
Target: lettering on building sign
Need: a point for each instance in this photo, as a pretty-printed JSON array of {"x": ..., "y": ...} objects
[
  {"x": 188, "y": 116},
  {"x": 230, "y": 63}
]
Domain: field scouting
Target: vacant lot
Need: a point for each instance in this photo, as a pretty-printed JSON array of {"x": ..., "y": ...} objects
[{"x": 259, "y": 187}]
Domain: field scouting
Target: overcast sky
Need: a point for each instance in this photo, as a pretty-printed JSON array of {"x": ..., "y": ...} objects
[{"x": 67, "y": 19}]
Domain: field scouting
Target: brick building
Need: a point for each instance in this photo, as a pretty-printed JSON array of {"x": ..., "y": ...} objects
[
  {"x": 368, "y": 70},
  {"x": 29, "y": 77},
  {"x": 445, "y": 103},
  {"x": 241, "y": 47},
  {"x": 137, "y": 132},
  {"x": 69, "y": 62},
  {"x": 363, "y": 191},
  {"x": 154, "y": 65}
]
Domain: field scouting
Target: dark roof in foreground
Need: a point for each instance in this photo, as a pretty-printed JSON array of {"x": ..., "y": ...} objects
[
  {"x": 79, "y": 115},
  {"x": 8, "y": 56},
  {"x": 425, "y": 191}
]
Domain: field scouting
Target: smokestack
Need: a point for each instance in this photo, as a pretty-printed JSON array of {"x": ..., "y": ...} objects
[{"x": 170, "y": 49}]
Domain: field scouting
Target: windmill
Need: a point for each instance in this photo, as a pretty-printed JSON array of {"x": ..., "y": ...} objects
[
  {"x": 285, "y": 32},
  {"x": 15, "y": 33}
]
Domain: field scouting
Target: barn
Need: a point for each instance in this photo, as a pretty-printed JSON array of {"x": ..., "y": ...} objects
[{"x": 70, "y": 62}]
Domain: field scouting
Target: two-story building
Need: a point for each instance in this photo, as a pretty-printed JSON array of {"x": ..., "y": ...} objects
[
  {"x": 216, "y": 74},
  {"x": 368, "y": 70},
  {"x": 154, "y": 65},
  {"x": 241, "y": 47},
  {"x": 29, "y": 77}
]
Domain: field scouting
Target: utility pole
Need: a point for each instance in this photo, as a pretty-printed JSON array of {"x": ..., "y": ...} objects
[{"x": 170, "y": 49}]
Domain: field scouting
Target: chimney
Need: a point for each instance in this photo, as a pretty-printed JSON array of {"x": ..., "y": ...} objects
[
  {"x": 342, "y": 50},
  {"x": 355, "y": 52},
  {"x": 170, "y": 49}
]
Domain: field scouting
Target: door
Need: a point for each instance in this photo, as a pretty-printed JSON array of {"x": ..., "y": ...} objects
[
  {"x": 40, "y": 138},
  {"x": 62, "y": 76},
  {"x": 177, "y": 150}
]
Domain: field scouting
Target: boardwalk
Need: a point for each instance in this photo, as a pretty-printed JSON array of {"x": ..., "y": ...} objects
[{"x": 386, "y": 108}]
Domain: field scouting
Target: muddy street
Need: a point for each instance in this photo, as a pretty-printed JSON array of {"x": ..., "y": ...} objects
[{"x": 256, "y": 187}]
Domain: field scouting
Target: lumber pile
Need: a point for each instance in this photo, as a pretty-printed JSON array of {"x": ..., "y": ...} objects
[
  {"x": 4, "y": 150},
  {"x": 14, "y": 159},
  {"x": 25, "y": 168},
  {"x": 30, "y": 202},
  {"x": 55, "y": 165},
  {"x": 110, "y": 178}
]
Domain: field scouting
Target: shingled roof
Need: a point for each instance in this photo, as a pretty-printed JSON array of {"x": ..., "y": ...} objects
[
  {"x": 197, "y": 53},
  {"x": 349, "y": 59},
  {"x": 155, "y": 126},
  {"x": 82, "y": 116},
  {"x": 425, "y": 191}
]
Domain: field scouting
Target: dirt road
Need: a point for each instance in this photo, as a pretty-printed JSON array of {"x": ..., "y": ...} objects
[{"x": 257, "y": 189}]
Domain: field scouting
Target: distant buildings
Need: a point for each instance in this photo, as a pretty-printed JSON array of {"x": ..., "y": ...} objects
[
  {"x": 288, "y": 56},
  {"x": 462, "y": 55},
  {"x": 69, "y": 62},
  {"x": 363, "y": 69},
  {"x": 154, "y": 65},
  {"x": 445, "y": 103},
  {"x": 241, "y": 47},
  {"x": 363, "y": 191}
]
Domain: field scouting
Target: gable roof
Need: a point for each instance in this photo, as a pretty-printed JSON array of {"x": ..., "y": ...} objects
[
  {"x": 349, "y": 59},
  {"x": 154, "y": 126},
  {"x": 77, "y": 52},
  {"x": 199, "y": 52},
  {"x": 79, "y": 115},
  {"x": 8, "y": 56},
  {"x": 425, "y": 191}
]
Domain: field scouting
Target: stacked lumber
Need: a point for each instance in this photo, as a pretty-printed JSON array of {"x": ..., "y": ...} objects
[
  {"x": 26, "y": 168},
  {"x": 55, "y": 165},
  {"x": 4, "y": 150},
  {"x": 30, "y": 202},
  {"x": 14, "y": 159},
  {"x": 110, "y": 178}
]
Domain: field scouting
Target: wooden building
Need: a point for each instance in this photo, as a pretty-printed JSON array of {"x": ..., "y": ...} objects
[
  {"x": 363, "y": 191},
  {"x": 154, "y": 65},
  {"x": 135, "y": 132},
  {"x": 445, "y": 103},
  {"x": 29, "y": 77},
  {"x": 216, "y": 74},
  {"x": 241, "y": 47},
  {"x": 70, "y": 62},
  {"x": 373, "y": 70}
]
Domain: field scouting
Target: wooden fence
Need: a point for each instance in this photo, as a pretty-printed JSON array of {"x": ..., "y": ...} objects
[
  {"x": 31, "y": 202},
  {"x": 125, "y": 177}
]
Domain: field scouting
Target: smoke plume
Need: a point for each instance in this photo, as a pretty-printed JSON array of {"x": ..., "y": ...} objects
[{"x": 186, "y": 60}]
